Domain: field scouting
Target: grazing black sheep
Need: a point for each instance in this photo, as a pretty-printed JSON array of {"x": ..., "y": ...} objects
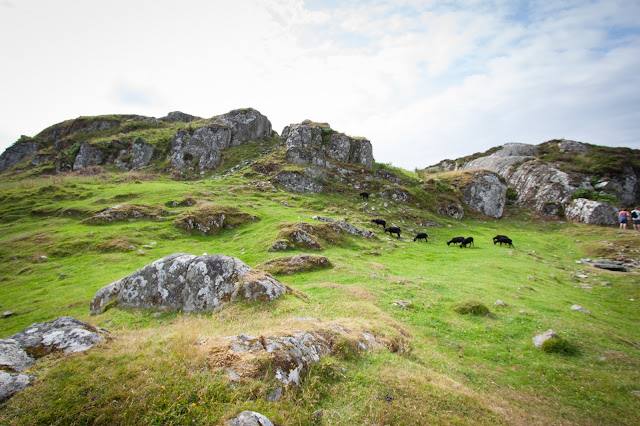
[
  {"x": 467, "y": 242},
  {"x": 421, "y": 236},
  {"x": 380, "y": 222},
  {"x": 364, "y": 195},
  {"x": 504, "y": 240},
  {"x": 497, "y": 238},
  {"x": 456, "y": 240},
  {"x": 393, "y": 230}
]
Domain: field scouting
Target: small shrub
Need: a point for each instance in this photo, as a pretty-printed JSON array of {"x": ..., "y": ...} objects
[
  {"x": 558, "y": 345},
  {"x": 512, "y": 194},
  {"x": 471, "y": 307}
]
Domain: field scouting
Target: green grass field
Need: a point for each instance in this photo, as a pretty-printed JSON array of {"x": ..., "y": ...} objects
[{"x": 445, "y": 368}]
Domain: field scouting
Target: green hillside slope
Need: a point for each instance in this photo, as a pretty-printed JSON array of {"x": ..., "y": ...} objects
[{"x": 437, "y": 366}]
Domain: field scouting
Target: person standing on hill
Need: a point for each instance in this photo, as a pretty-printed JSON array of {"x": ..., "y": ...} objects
[
  {"x": 623, "y": 216},
  {"x": 635, "y": 217}
]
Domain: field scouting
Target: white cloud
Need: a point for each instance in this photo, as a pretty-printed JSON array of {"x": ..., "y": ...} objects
[{"x": 422, "y": 80}]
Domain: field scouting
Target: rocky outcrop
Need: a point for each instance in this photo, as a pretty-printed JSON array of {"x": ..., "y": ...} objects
[
  {"x": 346, "y": 227},
  {"x": 396, "y": 194},
  {"x": 202, "y": 149},
  {"x": 289, "y": 355},
  {"x": 486, "y": 193},
  {"x": 189, "y": 283},
  {"x": 449, "y": 208},
  {"x": 305, "y": 236},
  {"x": 246, "y": 124},
  {"x": 16, "y": 153},
  {"x": 591, "y": 212},
  {"x": 178, "y": 116},
  {"x": 210, "y": 219},
  {"x": 127, "y": 211},
  {"x": 297, "y": 182},
  {"x": 20, "y": 351},
  {"x": 546, "y": 176},
  {"x": 316, "y": 143},
  {"x": 88, "y": 156}
]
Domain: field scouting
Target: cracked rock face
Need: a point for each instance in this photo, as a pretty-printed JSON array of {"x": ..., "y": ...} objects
[
  {"x": 20, "y": 351},
  {"x": 592, "y": 212},
  {"x": 485, "y": 193},
  {"x": 87, "y": 156},
  {"x": 297, "y": 182},
  {"x": 16, "y": 152},
  {"x": 190, "y": 283},
  {"x": 317, "y": 144},
  {"x": 202, "y": 149},
  {"x": 246, "y": 124}
]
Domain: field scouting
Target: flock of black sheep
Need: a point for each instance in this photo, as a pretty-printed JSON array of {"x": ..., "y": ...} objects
[{"x": 462, "y": 241}]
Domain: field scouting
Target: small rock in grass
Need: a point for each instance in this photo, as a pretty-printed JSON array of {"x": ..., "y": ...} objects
[
  {"x": 539, "y": 339},
  {"x": 147, "y": 246},
  {"x": 606, "y": 283},
  {"x": 583, "y": 276},
  {"x": 157, "y": 315},
  {"x": 141, "y": 252},
  {"x": 499, "y": 303},
  {"x": 404, "y": 304},
  {"x": 636, "y": 393},
  {"x": 275, "y": 395},
  {"x": 249, "y": 418},
  {"x": 580, "y": 308},
  {"x": 7, "y": 314},
  {"x": 42, "y": 259}
]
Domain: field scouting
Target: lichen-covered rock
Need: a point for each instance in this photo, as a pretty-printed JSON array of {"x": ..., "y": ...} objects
[
  {"x": 249, "y": 418},
  {"x": 202, "y": 149},
  {"x": 127, "y": 212},
  {"x": 572, "y": 146},
  {"x": 178, "y": 116},
  {"x": 64, "y": 334},
  {"x": 209, "y": 219},
  {"x": 246, "y": 124},
  {"x": 316, "y": 143},
  {"x": 296, "y": 182},
  {"x": 486, "y": 193},
  {"x": 293, "y": 264},
  {"x": 20, "y": 351},
  {"x": 190, "y": 283},
  {"x": 15, "y": 153},
  {"x": 13, "y": 357},
  {"x": 12, "y": 383},
  {"x": 88, "y": 156},
  {"x": 591, "y": 212}
]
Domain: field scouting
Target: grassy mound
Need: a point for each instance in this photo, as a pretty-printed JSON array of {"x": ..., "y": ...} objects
[
  {"x": 472, "y": 307},
  {"x": 210, "y": 219}
]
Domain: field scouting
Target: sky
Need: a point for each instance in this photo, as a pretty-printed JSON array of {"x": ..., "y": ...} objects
[{"x": 423, "y": 80}]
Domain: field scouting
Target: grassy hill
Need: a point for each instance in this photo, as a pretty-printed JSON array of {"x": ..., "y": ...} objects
[{"x": 438, "y": 366}]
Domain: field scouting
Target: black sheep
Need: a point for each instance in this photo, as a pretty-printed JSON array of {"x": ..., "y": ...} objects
[
  {"x": 455, "y": 240},
  {"x": 421, "y": 236},
  {"x": 504, "y": 240},
  {"x": 467, "y": 242},
  {"x": 497, "y": 238},
  {"x": 380, "y": 222},
  {"x": 393, "y": 230},
  {"x": 364, "y": 195}
]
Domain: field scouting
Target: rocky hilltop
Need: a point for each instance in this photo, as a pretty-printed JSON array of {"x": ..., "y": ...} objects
[{"x": 558, "y": 176}]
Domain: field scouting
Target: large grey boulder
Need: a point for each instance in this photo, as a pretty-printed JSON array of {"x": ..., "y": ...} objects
[
  {"x": 486, "y": 193},
  {"x": 190, "y": 283},
  {"x": 141, "y": 155},
  {"x": 15, "y": 153},
  {"x": 88, "y": 156},
  {"x": 20, "y": 351},
  {"x": 316, "y": 143},
  {"x": 202, "y": 148},
  {"x": 246, "y": 124},
  {"x": 297, "y": 182},
  {"x": 591, "y": 212}
]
